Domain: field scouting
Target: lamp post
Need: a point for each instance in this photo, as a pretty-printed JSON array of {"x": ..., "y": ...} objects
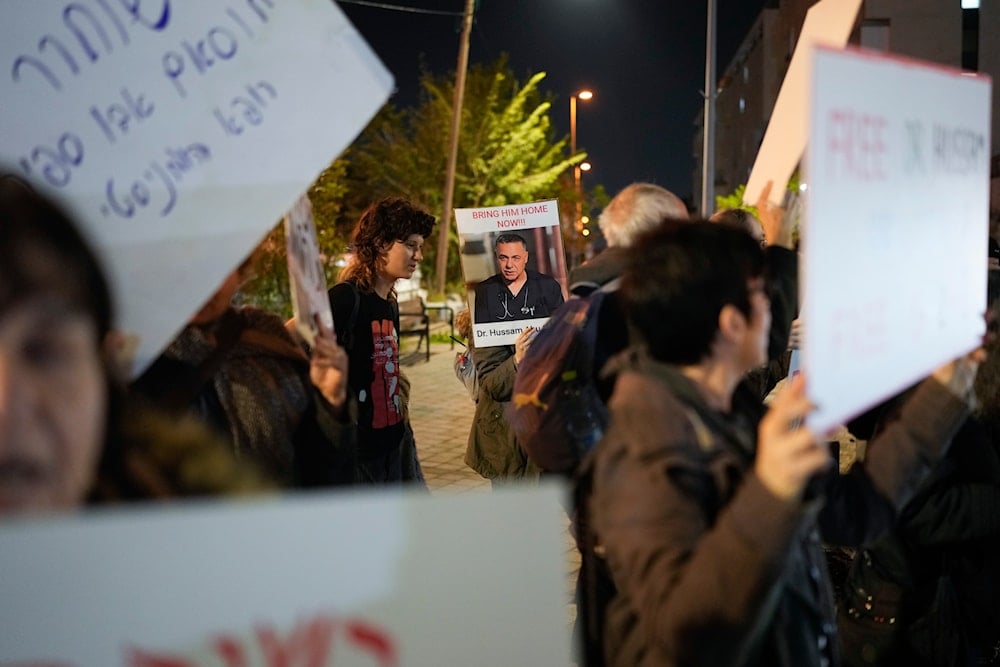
[
  {"x": 708, "y": 117},
  {"x": 583, "y": 95}
]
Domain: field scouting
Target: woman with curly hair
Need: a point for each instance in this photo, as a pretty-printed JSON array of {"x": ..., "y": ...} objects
[{"x": 387, "y": 245}]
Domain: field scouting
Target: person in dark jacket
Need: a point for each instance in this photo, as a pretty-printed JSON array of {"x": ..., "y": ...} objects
[
  {"x": 709, "y": 512},
  {"x": 929, "y": 592},
  {"x": 69, "y": 434},
  {"x": 492, "y": 450},
  {"x": 242, "y": 373},
  {"x": 516, "y": 292}
]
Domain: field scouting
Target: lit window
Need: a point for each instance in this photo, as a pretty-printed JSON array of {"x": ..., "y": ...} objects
[
  {"x": 970, "y": 4},
  {"x": 746, "y": 74},
  {"x": 743, "y": 105}
]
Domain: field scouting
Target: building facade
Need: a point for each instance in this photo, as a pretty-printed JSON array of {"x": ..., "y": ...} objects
[{"x": 940, "y": 31}]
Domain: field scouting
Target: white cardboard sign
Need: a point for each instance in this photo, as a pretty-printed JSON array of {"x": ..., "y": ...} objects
[
  {"x": 322, "y": 579},
  {"x": 179, "y": 133},
  {"x": 895, "y": 246},
  {"x": 306, "y": 278},
  {"x": 536, "y": 222},
  {"x": 828, "y": 22}
]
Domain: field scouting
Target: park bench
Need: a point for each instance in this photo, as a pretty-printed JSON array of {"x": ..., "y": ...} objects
[{"x": 414, "y": 321}]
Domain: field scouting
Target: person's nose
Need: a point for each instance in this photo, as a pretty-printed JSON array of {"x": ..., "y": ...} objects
[{"x": 418, "y": 254}]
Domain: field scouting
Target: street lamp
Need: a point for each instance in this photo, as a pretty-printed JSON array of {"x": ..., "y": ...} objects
[{"x": 582, "y": 95}]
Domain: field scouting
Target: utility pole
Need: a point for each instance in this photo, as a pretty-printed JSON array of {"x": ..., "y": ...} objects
[
  {"x": 708, "y": 118},
  {"x": 444, "y": 228}
]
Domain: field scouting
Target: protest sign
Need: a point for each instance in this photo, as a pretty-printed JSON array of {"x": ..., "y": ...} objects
[
  {"x": 179, "y": 133},
  {"x": 321, "y": 579},
  {"x": 895, "y": 245},
  {"x": 828, "y": 22},
  {"x": 306, "y": 277},
  {"x": 519, "y": 284}
]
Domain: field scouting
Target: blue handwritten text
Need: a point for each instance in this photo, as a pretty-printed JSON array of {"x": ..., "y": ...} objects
[
  {"x": 125, "y": 201},
  {"x": 87, "y": 23}
]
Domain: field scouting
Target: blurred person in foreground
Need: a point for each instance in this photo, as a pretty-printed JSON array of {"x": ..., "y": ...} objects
[
  {"x": 240, "y": 371},
  {"x": 68, "y": 434},
  {"x": 710, "y": 512}
]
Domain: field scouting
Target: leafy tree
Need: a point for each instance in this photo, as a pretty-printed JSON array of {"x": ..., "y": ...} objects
[
  {"x": 507, "y": 152},
  {"x": 735, "y": 198},
  {"x": 269, "y": 288}
]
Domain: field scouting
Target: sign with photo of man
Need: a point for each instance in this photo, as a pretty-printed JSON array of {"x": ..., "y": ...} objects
[{"x": 512, "y": 259}]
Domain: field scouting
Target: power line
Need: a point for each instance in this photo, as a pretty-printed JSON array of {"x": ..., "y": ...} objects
[{"x": 400, "y": 8}]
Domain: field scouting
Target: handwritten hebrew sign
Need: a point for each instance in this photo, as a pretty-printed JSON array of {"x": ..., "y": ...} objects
[
  {"x": 179, "y": 133},
  {"x": 323, "y": 580},
  {"x": 895, "y": 247}
]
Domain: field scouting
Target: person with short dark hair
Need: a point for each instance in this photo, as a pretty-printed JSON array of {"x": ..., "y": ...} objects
[
  {"x": 709, "y": 512},
  {"x": 742, "y": 218},
  {"x": 387, "y": 245},
  {"x": 516, "y": 292}
]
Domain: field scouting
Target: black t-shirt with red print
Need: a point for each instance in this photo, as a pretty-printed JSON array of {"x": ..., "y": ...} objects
[{"x": 374, "y": 366}]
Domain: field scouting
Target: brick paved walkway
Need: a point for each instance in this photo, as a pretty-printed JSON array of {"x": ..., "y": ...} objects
[{"x": 441, "y": 414}]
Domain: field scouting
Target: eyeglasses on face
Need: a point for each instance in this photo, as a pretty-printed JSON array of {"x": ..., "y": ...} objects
[{"x": 412, "y": 246}]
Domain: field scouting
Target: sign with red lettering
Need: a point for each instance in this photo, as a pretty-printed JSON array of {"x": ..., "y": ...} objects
[
  {"x": 178, "y": 132},
  {"x": 327, "y": 580},
  {"x": 895, "y": 244},
  {"x": 514, "y": 266}
]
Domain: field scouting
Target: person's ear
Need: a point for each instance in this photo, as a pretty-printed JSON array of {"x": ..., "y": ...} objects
[
  {"x": 118, "y": 350},
  {"x": 732, "y": 323}
]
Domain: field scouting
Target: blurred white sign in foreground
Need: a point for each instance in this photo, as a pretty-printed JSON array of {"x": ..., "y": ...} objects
[
  {"x": 895, "y": 245},
  {"x": 179, "y": 133},
  {"x": 363, "y": 579}
]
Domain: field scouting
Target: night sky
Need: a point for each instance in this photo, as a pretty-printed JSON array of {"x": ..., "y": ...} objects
[{"x": 644, "y": 59}]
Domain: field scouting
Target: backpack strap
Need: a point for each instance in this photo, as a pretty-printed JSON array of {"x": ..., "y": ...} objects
[
  {"x": 394, "y": 305},
  {"x": 347, "y": 340}
]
